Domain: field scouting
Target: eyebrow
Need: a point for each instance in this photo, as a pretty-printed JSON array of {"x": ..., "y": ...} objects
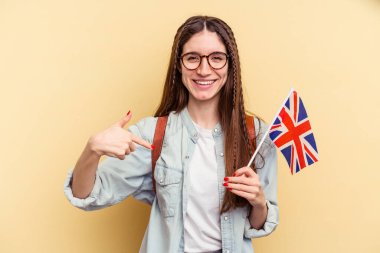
[{"x": 194, "y": 52}]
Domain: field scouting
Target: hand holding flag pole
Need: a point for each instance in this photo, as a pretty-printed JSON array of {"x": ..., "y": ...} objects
[{"x": 291, "y": 132}]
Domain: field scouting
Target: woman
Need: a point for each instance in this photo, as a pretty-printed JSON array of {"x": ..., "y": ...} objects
[{"x": 206, "y": 200}]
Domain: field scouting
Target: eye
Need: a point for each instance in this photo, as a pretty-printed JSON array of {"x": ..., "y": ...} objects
[
  {"x": 191, "y": 58},
  {"x": 217, "y": 57}
]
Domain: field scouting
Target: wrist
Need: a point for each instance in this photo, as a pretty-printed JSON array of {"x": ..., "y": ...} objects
[
  {"x": 260, "y": 205},
  {"x": 91, "y": 149}
]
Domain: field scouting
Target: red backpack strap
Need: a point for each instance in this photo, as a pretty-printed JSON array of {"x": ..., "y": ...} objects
[
  {"x": 158, "y": 140},
  {"x": 249, "y": 120}
]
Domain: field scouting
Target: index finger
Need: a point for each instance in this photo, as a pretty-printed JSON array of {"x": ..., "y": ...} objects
[{"x": 142, "y": 142}]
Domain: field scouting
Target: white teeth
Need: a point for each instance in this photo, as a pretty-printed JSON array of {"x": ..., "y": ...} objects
[{"x": 204, "y": 82}]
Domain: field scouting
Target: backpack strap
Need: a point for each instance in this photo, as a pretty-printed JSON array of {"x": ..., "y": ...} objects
[
  {"x": 158, "y": 140},
  {"x": 159, "y": 135},
  {"x": 250, "y": 122}
]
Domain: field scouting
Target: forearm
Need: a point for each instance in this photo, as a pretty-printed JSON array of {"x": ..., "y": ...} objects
[
  {"x": 84, "y": 173},
  {"x": 258, "y": 216}
]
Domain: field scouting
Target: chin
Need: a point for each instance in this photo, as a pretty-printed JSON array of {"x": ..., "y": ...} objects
[{"x": 205, "y": 98}]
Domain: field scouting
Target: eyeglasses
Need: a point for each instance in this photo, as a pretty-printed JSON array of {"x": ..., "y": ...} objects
[{"x": 216, "y": 60}]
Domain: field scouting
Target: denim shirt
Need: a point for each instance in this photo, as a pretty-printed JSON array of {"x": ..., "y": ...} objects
[{"x": 117, "y": 179}]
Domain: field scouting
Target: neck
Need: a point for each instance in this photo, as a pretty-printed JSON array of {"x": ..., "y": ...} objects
[{"x": 205, "y": 114}]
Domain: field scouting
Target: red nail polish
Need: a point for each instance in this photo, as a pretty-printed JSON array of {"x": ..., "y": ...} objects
[
  {"x": 229, "y": 189},
  {"x": 152, "y": 146},
  {"x": 225, "y": 184},
  {"x": 234, "y": 174},
  {"x": 226, "y": 179},
  {"x": 128, "y": 112}
]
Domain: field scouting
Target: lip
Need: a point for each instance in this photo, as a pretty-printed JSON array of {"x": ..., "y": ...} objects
[{"x": 204, "y": 82}]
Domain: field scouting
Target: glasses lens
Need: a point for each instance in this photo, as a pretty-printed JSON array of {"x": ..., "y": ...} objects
[
  {"x": 191, "y": 61},
  {"x": 217, "y": 60}
]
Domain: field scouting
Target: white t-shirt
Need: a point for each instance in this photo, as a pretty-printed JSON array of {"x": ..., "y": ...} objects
[{"x": 201, "y": 223}]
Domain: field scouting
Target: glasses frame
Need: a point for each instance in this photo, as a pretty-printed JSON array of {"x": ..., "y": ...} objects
[{"x": 200, "y": 62}]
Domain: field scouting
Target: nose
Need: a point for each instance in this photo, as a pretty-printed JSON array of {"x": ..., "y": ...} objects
[{"x": 204, "y": 68}]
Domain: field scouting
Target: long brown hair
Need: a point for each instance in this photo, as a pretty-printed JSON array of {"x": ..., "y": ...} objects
[{"x": 237, "y": 148}]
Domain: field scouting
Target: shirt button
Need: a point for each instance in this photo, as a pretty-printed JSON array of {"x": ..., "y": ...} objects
[
  {"x": 187, "y": 157},
  {"x": 161, "y": 181},
  {"x": 227, "y": 251},
  {"x": 225, "y": 218},
  {"x": 215, "y": 130},
  {"x": 221, "y": 154}
]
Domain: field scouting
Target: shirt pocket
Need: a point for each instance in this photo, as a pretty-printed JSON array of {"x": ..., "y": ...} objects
[{"x": 168, "y": 187}]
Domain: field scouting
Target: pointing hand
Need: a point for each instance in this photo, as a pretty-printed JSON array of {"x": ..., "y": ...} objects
[{"x": 115, "y": 141}]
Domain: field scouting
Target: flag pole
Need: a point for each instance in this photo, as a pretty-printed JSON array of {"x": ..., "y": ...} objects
[{"x": 267, "y": 132}]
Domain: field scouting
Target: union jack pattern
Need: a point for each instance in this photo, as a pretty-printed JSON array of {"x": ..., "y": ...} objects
[{"x": 291, "y": 132}]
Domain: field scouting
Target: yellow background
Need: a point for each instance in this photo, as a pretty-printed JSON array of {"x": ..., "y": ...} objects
[{"x": 71, "y": 68}]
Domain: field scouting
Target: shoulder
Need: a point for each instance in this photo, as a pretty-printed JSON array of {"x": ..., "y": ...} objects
[
  {"x": 267, "y": 151},
  {"x": 261, "y": 128},
  {"x": 146, "y": 127},
  {"x": 260, "y": 125}
]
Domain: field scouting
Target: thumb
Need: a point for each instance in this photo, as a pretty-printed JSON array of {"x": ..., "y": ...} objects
[{"x": 122, "y": 122}]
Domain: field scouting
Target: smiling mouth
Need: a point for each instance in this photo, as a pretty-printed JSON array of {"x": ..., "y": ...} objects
[{"x": 204, "y": 82}]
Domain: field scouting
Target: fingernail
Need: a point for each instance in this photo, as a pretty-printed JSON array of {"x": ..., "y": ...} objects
[
  {"x": 226, "y": 179},
  {"x": 229, "y": 189},
  {"x": 225, "y": 184},
  {"x": 152, "y": 146},
  {"x": 234, "y": 174},
  {"x": 128, "y": 112}
]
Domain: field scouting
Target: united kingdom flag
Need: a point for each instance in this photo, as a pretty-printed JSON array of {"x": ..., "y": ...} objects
[{"x": 291, "y": 132}]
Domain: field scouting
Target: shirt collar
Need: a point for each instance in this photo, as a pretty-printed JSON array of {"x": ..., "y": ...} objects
[{"x": 217, "y": 131}]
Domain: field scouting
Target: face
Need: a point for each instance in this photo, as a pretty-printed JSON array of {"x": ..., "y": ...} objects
[{"x": 204, "y": 82}]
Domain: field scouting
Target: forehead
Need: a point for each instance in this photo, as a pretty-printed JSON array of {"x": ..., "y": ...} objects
[{"x": 204, "y": 42}]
